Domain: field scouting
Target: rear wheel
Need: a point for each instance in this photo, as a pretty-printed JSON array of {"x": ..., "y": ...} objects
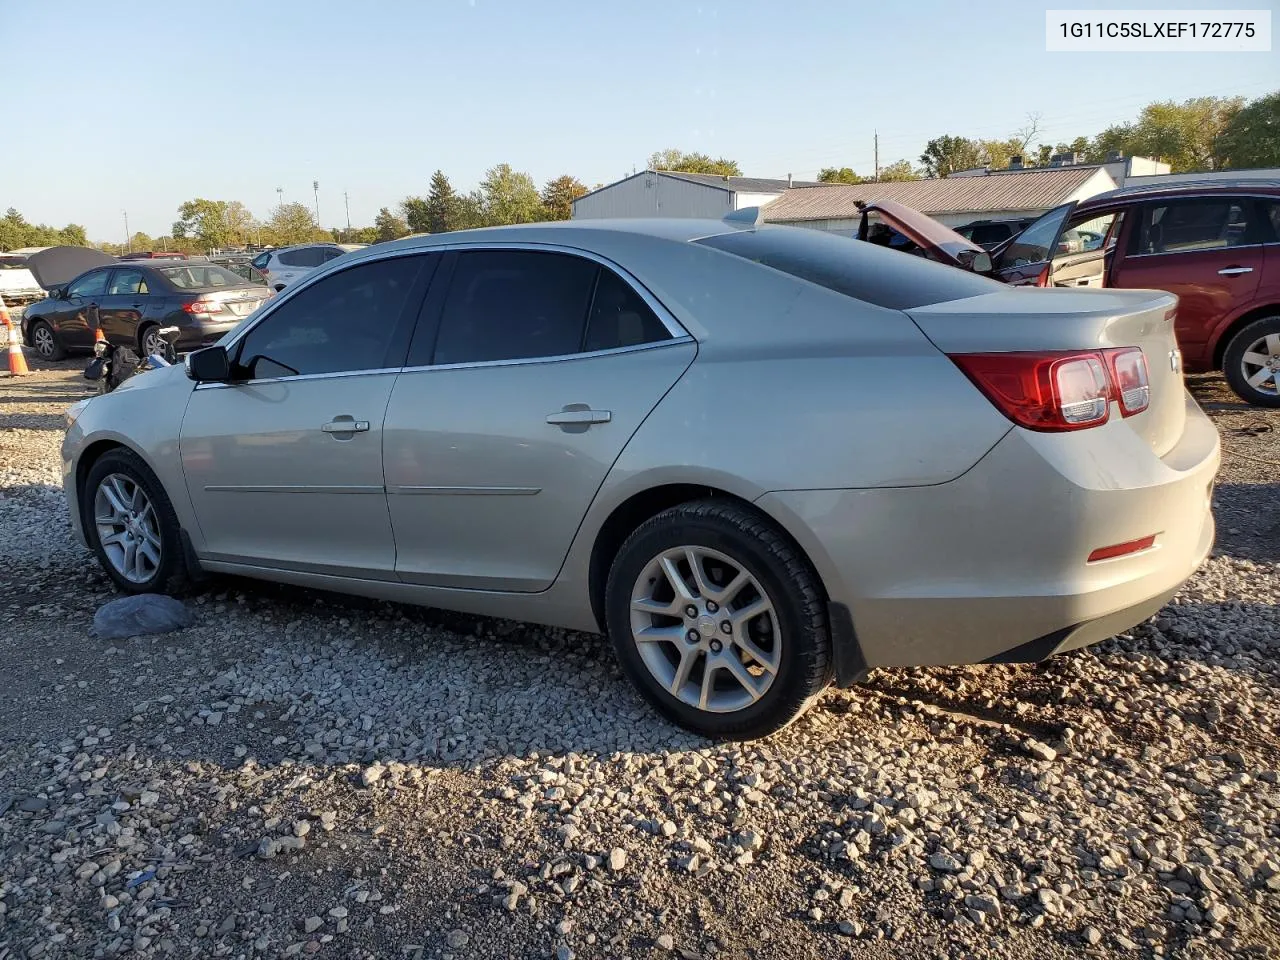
[
  {"x": 149, "y": 340},
  {"x": 718, "y": 620},
  {"x": 1251, "y": 362},
  {"x": 45, "y": 342}
]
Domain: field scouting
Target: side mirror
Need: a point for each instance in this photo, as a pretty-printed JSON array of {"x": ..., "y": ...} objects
[
  {"x": 976, "y": 261},
  {"x": 210, "y": 365}
]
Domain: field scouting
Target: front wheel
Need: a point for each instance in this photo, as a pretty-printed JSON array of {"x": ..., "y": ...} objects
[
  {"x": 1251, "y": 362},
  {"x": 719, "y": 620},
  {"x": 150, "y": 340},
  {"x": 44, "y": 341},
  {"x": 131, "y": 524}
]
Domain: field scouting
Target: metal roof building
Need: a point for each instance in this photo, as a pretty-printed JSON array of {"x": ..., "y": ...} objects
[
  {"x": 668, "y": 193},
  {"x": 952, "y": 200}
]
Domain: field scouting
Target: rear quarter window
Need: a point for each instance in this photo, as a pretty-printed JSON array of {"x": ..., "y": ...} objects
[{"x": 855, "y": 268}]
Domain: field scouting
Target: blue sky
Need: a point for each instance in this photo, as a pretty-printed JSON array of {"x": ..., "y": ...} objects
[{"x": 371, "y": 97}]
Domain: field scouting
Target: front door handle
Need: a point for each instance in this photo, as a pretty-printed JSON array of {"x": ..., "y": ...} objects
[
  {"x": 345, "y": 425},
  {"x": 579, "y": 413},
  {"x": 1232, "y": 271}
]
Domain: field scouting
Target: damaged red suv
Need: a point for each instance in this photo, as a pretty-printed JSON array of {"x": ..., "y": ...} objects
[{"x": 1214, "y": 243}]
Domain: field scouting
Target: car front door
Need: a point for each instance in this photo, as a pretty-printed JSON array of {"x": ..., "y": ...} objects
[
  {"x": 1207, "y": 250},
  {"x": 122, "y": 306},
  {"x": 530, "y": 372},
  {"x": 78, "y": 313},
  {"x": 1024, "y": 259},
  {"x": 284, "y": 463}
]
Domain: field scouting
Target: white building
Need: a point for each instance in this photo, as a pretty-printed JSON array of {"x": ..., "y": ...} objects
[
  {"x": 956, "y": 200},
  {"x": 665, "y": 193}
]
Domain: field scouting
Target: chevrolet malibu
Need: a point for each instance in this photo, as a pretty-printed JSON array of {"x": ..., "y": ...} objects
[{"x": 761, "y": 459}]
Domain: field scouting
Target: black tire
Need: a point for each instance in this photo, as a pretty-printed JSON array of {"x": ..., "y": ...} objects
[
  {"x": 143, "y": 331},
  {"x": 754, "y": 543},
  {"x": 171, "y": 573},
  {"x": 56, "y": 352},
  {"x": 1233, "y": 362}
]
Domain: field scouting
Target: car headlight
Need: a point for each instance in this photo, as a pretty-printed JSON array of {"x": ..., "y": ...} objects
[{"x": 77, "y": 408}]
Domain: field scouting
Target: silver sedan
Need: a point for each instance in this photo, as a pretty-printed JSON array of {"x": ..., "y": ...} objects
[{"x": 762, "y": 459}]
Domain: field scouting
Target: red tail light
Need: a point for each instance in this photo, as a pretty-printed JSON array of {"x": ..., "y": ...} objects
[
  {"x": 1129, "y": 375},
  {"x": 1042, "y": 278},
  {"x": 202, "y": 306},
  {"x": 1056, "y": 391}
]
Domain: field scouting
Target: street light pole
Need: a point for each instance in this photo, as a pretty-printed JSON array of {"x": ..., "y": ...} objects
[
  {"x": 127, "y": 247},
  {"x": 280, "y": 196},
  {"x": 347, "y": 203},
  {"x": 315, "y": 185}
]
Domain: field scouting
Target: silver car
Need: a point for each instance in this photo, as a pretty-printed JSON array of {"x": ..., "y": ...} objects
[{"x": 762, "y": 459}]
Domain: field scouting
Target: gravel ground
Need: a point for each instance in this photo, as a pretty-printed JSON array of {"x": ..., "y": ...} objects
[{"x": 301, "y": 774}]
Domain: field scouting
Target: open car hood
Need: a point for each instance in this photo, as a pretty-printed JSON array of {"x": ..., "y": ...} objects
[
  {"x": 942, "y": 243},
  {"x": 59, "y": 265}
]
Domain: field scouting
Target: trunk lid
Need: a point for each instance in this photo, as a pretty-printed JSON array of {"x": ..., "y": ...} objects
[
  {"x": 1029, "y": 319},
  {"x": 58, "y": 265}
]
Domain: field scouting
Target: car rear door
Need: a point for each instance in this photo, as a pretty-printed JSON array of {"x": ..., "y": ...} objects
[
  {"x": 284, "y": 464},
  {"x": 122, "y": 306},
  {"x": 531, "y": 371},
  {"x": 1208, "y": 250}
]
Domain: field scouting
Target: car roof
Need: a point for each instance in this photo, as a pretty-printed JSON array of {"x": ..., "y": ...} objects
[
  {"x": 1209, "y": 186},
  {"x": 565, "y": 231}
]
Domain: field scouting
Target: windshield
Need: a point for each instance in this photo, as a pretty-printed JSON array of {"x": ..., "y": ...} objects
[{"x": 200, "y": 277}]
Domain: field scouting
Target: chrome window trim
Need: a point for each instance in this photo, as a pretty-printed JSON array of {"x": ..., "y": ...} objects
[
  {"x": 1201, "y": 250},
  {"x": 557, "y": 358},
  {"x": 218, "y": 385},
  {"x": 664, "y": 315}
]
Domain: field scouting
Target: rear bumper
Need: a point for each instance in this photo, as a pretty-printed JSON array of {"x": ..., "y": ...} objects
[
  {"x": 992, "y": 566},
  {"x": 205, "y": 335}
]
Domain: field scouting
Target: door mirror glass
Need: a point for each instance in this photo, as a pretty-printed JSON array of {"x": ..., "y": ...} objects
[{"x": 209, "y": 365}]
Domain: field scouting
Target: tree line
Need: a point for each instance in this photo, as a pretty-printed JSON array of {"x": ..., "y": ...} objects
[
  {"x": 1200, "y": 134},
  {"x": 1204, "y": 133}
]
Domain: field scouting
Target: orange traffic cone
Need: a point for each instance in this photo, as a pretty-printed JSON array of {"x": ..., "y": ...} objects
[
  {"x": 98, "y": 337},
  {"x": 17, "y": 362}
]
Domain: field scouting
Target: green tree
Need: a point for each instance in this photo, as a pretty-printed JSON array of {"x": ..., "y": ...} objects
[
  {"x": 681, "y": 162},
  {"x": 947, "y": 154},
  {"x": 416, "y": 214},
  {"x": 443, "y": 213},
  {"x": 899, "y": 170},
  {"x": 509, "y": 196},
  {"x": 204, "y": 220},
  {"x": 389, "y": 226},
  {"x": 558, "y": 196},
  {"x": 141, "y": 241},
  {"x": 1187, "y": 136},
  {"x": 239, "y": 222},
  {"x": 290, "y": 223},
  {"x": 1251, "y": 138},
  {"x": 469, "y": 211},
  {"x": 73, "y": 235},
  {"x": 839, "y": 175}
]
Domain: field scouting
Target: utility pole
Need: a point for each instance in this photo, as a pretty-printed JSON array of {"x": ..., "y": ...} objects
[
  {"x": 280, "y": 196},
  {"x": 127, "y": 247},
  {"x": 347, "y": 204},
  {"x": 877, "y": 136},
  {"x": 315, "y": 185}
]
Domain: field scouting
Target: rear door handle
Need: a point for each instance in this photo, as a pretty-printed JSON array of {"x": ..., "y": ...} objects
[
  {"x": 345, "y": 425},
  {"x": 1232, "y": 271},
  {"x": 579, "y": 413}
]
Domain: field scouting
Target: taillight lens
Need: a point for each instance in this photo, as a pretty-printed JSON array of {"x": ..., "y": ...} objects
[
  {"x": 1129, "y": 375},
  {"x": 202, "y": 306},
  {"x": 1042, "y": 278},
  {"x": 1048, "y": 392}
]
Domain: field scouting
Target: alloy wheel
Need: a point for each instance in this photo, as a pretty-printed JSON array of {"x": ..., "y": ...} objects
[
  {"x": 42, "y": 340},
  {"x": 151, "y": 342},
  {"x": 128, "y": 528},
  {"x": 706, "y": 629},
  {"x": 1260, "y": 364}
]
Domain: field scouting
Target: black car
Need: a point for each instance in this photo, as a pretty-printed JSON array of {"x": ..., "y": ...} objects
[
  {"x": 989, "y": 234},
  {"x": 132, "y": 301}
]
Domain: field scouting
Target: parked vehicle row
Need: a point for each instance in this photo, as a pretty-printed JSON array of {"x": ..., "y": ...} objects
[
  {"x": 286, "y": 265},
  {"x": 130, "y": 301},
  {"x": 1216, "y": 244},
  {"x": 715, "y": 441}
]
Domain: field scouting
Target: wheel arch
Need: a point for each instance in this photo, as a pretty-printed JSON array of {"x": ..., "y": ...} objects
[
  {"x": 639, "y": 507},
  {"x": 1232, "y": 327}
]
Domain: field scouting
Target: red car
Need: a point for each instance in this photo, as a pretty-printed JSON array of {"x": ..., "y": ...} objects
[{"x": 1214, "y": 243}]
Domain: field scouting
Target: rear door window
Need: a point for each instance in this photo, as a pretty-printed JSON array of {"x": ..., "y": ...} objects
[
  {"x": 127, "y": 283},
  {"x": 1196, "y": 223},
  {"x": 514, "y": 305},
  {"x": 302, "y": 257}
]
